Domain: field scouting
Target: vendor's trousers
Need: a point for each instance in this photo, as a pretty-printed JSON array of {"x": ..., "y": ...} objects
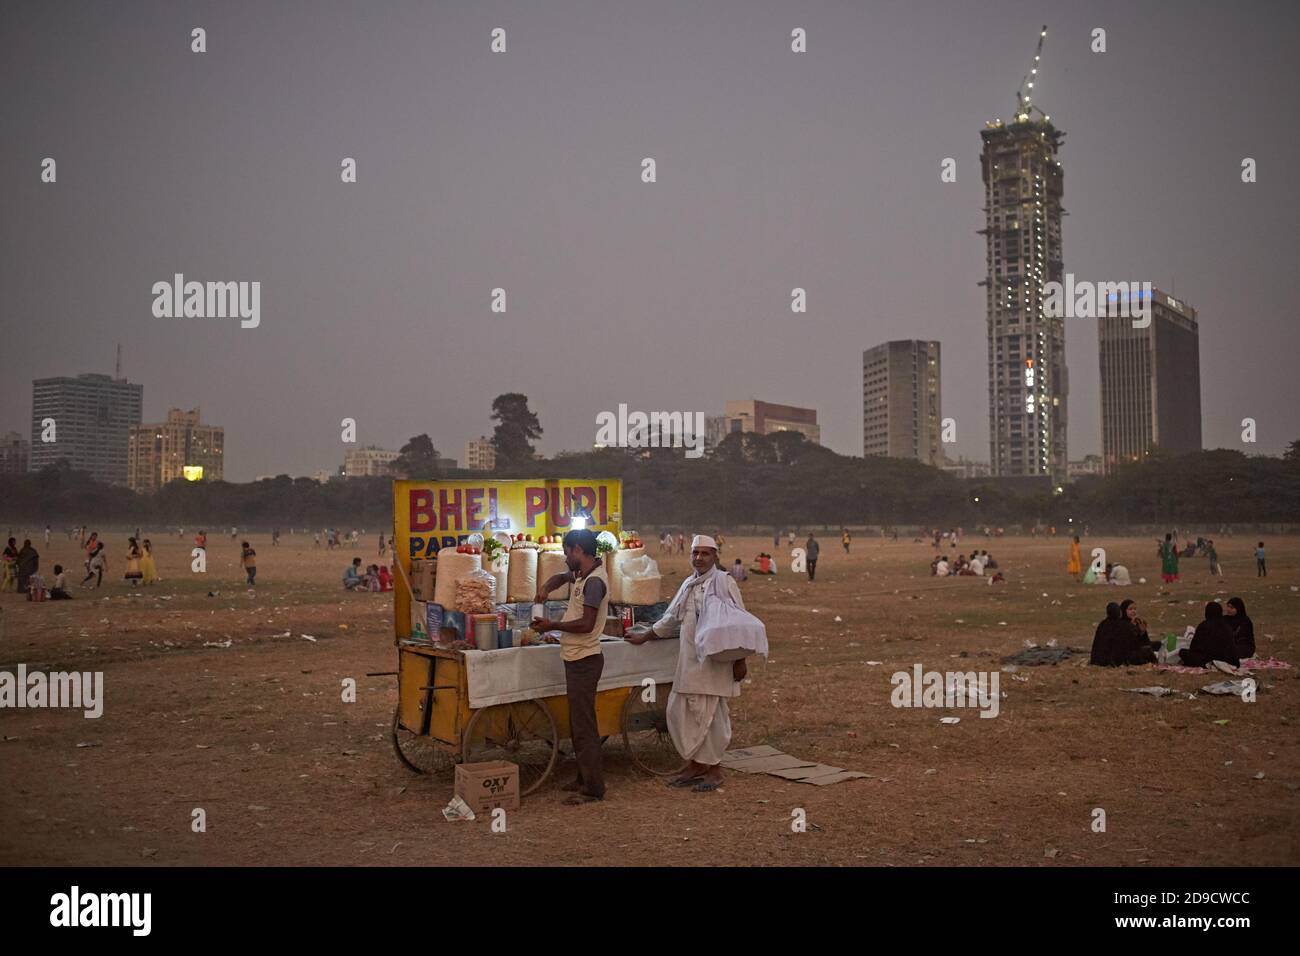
[
  {"x": 580, "y": 680},
  {"x": 812, "y": 570}
]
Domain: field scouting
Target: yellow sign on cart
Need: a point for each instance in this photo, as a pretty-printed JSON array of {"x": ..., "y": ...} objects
[{"x": 429, "y": 515}]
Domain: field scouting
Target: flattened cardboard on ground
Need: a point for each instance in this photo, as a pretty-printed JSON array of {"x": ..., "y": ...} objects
[
  {"x": 763, "y": 750},
  {"x": 804, "y": 773},
  {"x": 769, "y": 760},
  {"x": 769, "y": 764},
  {"x": 835, "y": 778}
]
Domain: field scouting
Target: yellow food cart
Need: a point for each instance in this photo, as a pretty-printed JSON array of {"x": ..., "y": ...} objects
[{"x": 435, "y": 725}]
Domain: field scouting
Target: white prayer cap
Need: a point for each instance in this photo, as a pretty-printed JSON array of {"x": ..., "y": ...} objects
[{"x": 703, "y": 541}]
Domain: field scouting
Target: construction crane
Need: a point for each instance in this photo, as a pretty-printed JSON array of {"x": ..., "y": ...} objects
[{"x": 1025, "y": 94}]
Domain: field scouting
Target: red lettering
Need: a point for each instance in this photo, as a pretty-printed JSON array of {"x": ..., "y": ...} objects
[
  {"x": 421, "y": 510},
  {"x": 449, "y": 509},
  {"x": 601, "y": 494},
  {"x": 586, "y": 496},
  {"x": 560, "y": 508},
  {"x": 473, "y": 507},
  {"x": 535, "y": 503}
]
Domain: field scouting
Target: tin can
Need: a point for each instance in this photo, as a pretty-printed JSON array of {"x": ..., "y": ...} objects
[
  {"x": 628, "y": 617},
  {"x": 502, "y": 624}
]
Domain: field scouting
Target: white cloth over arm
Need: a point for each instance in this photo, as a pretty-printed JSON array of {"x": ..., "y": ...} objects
[{"x": 695, "y": 676}]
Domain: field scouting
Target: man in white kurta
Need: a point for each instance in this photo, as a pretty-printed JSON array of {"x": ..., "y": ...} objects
[{"x": 698, "y": 718}]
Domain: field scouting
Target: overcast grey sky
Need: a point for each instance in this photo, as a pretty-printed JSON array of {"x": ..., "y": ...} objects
[{"x": 522, "y": 170}]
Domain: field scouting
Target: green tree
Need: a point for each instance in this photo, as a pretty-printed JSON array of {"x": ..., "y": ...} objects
[
  {"x": 516, "y": 429},
  {"x": 417, "y": 459}
]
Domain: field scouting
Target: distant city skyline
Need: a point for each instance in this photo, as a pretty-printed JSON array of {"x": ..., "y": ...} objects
[{"x": 522, "y": 171}]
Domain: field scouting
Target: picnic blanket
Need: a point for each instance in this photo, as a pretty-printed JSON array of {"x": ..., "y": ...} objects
[
  {"x": 1037, "y": 656},
  {"x": 1249, "y": 664},
  {"x": 526, "y": 673}
]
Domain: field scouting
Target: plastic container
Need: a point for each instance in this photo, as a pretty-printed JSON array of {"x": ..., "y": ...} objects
[{"x": 484, "y": 627}]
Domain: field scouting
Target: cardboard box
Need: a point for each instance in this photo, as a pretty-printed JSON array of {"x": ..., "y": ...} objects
[
  {"x": 422, "y": 578},
  {"x": 487, "y": 785}
]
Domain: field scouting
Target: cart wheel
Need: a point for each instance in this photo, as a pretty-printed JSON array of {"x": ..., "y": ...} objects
[
  {"x": 523, "y": 733},
  {"x": 419, "y": 754},
  {"x": 645, "y": 732}
]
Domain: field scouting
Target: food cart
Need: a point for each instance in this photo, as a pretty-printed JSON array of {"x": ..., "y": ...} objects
[{"x": 457, "y": 704}]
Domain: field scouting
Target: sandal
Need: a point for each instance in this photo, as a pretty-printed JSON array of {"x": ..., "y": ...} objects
[
  {"x": 682, "y": 782},
  {"x": 707, "y": 786},
  {"x": 579, "y": 798}
]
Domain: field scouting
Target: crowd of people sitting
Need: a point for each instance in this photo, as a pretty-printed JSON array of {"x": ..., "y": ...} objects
[
  {"x": 1122, "y": 638},
  {"x": 976, "y": 565},
  {"x": 376, "y": 577}
]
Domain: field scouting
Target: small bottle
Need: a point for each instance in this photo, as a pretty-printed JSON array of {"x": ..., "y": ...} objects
[{"x": 418, "y": 634}]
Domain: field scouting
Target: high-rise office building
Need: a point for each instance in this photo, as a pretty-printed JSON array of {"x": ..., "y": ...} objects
[
  {"x": 900, "y": 401},
  {"x": 1028, "y": 382},
  {"x": 1150, "y": 382},
  {"x": 90, "y": 418},
  {"x": 180, "y": 447}
]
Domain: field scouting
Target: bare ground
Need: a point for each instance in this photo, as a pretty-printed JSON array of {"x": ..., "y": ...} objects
[{"x": 257, "y": 736}]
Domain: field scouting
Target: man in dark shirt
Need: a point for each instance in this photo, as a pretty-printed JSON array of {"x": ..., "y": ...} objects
[{"x": 812, "y": 549}]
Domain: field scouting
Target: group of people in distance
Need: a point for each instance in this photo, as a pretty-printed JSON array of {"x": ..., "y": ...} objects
[
  {"x": 1122, "y": 639},
  {"x": 976, "y": 565},
  {"x": 21, "y": 567},
  {"x": 1201, "y": 547},
  {"x": 1110, "y": 574},
  {"x": 670, "y": 543},
  {"x": 376, "y": 577}
]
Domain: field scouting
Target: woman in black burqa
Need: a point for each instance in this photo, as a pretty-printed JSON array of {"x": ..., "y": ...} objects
[
  {"x": 1118, "y": 642},
  {"x": 1243, "y": 628},
  {"x": 1212, "y": 640},
  {"x": 1143, "y": 647}
]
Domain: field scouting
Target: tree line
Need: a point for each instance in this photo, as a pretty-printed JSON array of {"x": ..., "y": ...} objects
[{"x": 773, "y": 481}]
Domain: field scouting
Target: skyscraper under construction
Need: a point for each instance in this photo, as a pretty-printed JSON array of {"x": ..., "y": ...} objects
[{"x": 1028, "y": 382}]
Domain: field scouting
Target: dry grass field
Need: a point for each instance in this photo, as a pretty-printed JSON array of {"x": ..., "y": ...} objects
[{"x": 253, "y": 730}]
